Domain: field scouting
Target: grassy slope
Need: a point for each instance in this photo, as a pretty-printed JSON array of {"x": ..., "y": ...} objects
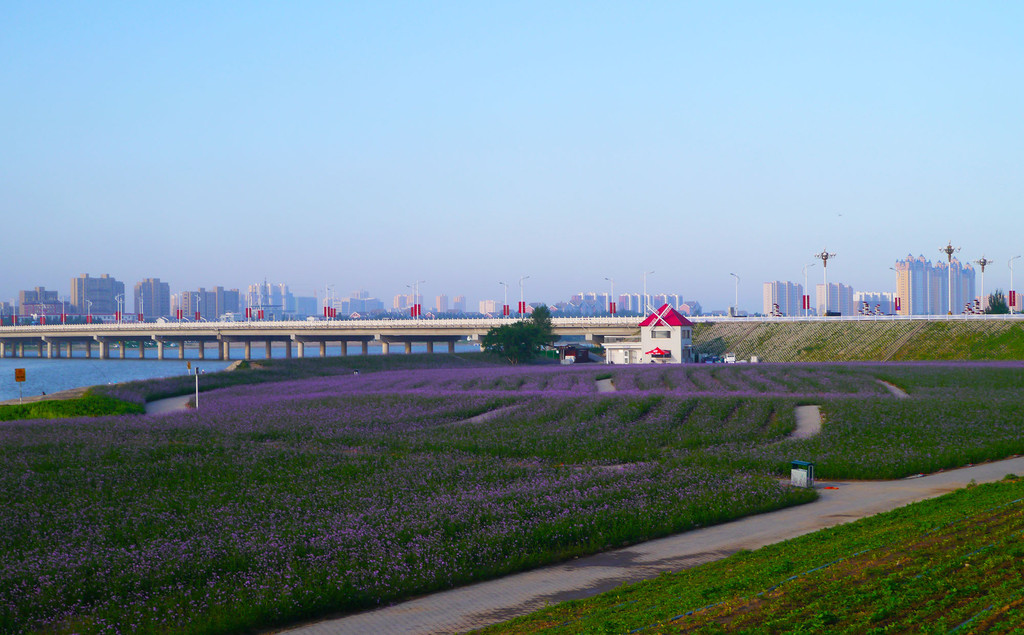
[
  {"x": 950, "y": 562},
  {"x": 853, "y": 341},
  {"x": 88, "y": 405}
]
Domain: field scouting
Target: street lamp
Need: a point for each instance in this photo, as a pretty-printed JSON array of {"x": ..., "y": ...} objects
[
  {"x": 120, "y": 307},
  {"x": 807, "y": 302},
  {"x": 504, "y": 306},
  {"x": 949, "y": 250},
  {"x": 895, "y": 298},
  {"x": 824, "y": 257},
  {"x": 982, "y": 262},
  {"x": 611, "y": 296},
  {"x": 647, "y": 302},
  {"x": 1013, "y": 294},
  {"x": 522, "y": 301},
  {"x": 416, "y": 297},
  {"x": 88, "y": 306},
  {"x": 736, "y": 306}
]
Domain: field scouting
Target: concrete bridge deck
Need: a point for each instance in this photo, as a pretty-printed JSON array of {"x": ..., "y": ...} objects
[{"x": 51, "y": 340}]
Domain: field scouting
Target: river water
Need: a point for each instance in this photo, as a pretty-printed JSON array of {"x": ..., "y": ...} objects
[{"x": 52, "y": 375}]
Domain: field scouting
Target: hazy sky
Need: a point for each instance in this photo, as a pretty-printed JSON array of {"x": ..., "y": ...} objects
[{"x": 375, "y": 144}]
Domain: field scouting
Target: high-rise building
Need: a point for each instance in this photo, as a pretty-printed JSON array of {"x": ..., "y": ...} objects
[
  {"x": 361, "y": 303},
  {"x": 227, "y": 301},
  {"x": 97, "y": 295},
  {"x": 923, "y": 288},
  {"x": 274, "y": 299},
  {"x": 489, "y": 306},
  {"x": 787, "y": 296},
  {"x": 838, "y": 302},
  {"x": 459, "y": 303},
  {"x": 39, "y": 301},
  {"x": 874, "y": 302},
  {"x": 441, "y": 303},
  {"x": 153, "y": 298}
]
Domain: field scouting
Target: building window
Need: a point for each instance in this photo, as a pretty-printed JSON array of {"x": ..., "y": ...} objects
[{"x": 661, "y": 335}]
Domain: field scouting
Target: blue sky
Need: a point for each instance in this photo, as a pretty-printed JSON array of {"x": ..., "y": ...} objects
[{"x": 375, "y": 144}]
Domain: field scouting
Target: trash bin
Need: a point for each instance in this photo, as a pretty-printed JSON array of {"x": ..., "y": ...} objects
[{"x": 801, "y": 474}]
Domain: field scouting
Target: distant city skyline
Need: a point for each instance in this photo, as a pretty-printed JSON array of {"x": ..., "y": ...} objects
[{"x": 373, "y": 145}]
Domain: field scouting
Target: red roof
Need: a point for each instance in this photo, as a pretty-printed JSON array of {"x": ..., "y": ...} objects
[{"x": 666, "y": 316}]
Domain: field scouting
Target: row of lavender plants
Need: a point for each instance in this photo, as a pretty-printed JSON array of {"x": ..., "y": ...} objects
[
  {"x": 265, "y": 509},
  {"x": 700, "y": 380}
]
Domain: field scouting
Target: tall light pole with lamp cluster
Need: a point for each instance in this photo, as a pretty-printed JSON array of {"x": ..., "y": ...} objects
[
  {"x": 983, "y": 262},
  {"x": 522, "y": 297},
  {"x": 949, "y": 250},
  {"x": 611, "y": 296},
  {"x": 824, "y": 257}
]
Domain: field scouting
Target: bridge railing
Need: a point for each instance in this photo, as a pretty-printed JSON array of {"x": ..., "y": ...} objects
[{"x": 304, "y": 325}]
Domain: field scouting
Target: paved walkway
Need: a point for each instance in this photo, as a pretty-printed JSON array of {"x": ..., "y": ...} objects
[
  {"x": 808, "y": 422},
  {"x": 165, "y": 406},
  {"x": 486, "y": 603}
]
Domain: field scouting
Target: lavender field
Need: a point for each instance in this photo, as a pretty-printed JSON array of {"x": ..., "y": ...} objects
[{"x": 281, "y": 502}]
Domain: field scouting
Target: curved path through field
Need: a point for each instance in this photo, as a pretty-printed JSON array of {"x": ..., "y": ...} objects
[
  {"x": 165, "y": 406},
  {"x": 486, "y": 603}
]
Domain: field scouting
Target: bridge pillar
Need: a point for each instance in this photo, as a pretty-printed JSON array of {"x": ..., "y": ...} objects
[
  {"x": 49, "y": 350},
  {"x": 181, "y": 349},
  {"x": 248, "y": 350},
  {"x": 302, "y": 348},
  {"x": 21, "y": 349},
  {"x": 122, "y": 348},
  {"x": 451, "y": 347},
  {"x": 408, "y": 347},
  {"x": 366, "y": 348},
  {"x": 385, "y": 348},
  {"x": 40, "y": 349},
  {"x": 160, "y": 350},
  {"x": 88, "y": 349},
  {"x": 344, "y": 348},
  {"x": 430, "y": 347},
  {"x": 270, "y": 348},
  {"x": 142, "y": 349},
  {"x": 3, "y": 349},
  {"x": 223, "y": 351},
  {"x": 323, "y": 348},
  {"x": 70, "y": 349},
  {"x": 202, "y": 349},
  {"x": 104, "y": 349},
  {"x": 288, "y": 349}
]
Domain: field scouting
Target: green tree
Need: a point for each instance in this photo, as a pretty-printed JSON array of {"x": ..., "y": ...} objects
[
  {"x": 997, "y": 303},
  {"x": 541, "y": 316},
  {"x": 521, "y": 341}
]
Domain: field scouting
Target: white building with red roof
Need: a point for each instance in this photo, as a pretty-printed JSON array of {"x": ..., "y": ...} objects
[{"x": 665, "y": 337}]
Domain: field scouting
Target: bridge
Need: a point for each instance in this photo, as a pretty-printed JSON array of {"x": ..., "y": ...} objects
[{"x": 57, "y": 340}]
